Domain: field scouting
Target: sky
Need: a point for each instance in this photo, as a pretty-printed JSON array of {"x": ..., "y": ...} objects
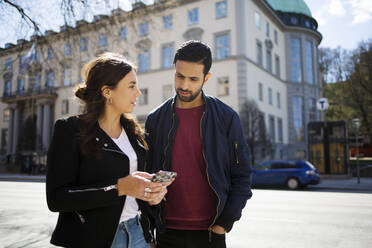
[{"x": 341, "y": 22}]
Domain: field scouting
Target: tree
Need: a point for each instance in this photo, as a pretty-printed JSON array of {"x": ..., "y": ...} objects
[
  {"x": 351, "y": 95},
  {"x": 255, "y": 130}
]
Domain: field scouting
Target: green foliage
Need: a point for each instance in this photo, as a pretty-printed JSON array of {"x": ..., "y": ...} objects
[{"x": 351, "y": 95}]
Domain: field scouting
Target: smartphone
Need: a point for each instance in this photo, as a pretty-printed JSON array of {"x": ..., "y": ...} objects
[{"x": 163, "y": 176}]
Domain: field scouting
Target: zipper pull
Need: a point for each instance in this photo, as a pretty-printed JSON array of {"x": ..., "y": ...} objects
[
  {"x": 236, "y": 152},
  {"x": 80, "y": 217},
  {"x": 111, "y": 187},
  {"x": 210, "y": 235}
]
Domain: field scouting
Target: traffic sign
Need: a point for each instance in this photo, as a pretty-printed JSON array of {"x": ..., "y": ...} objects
[{"x": 322, "y": 104}]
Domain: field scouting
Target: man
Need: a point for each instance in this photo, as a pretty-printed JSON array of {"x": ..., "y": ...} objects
[{"x": 201, "y": 139}]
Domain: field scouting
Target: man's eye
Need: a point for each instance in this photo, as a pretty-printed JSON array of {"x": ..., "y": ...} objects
[
  {"x": 194, "y": 79},
  {"x": 180, "y": 76}
]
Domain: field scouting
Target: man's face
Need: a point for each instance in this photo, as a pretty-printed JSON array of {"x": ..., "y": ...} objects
[{"x": 189, "y": 80}]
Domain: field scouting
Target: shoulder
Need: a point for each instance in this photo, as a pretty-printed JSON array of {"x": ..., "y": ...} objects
[
  {"x": 160, "y": 110},
  {"x": 70, "y": 124},
  {"x": 221, "y": 108}
]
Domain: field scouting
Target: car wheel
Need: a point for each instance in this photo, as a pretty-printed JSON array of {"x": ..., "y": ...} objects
[{"x": 293, "y": 183}]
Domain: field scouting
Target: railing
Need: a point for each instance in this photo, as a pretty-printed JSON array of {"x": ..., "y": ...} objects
[{"x": 29, "y": 93}]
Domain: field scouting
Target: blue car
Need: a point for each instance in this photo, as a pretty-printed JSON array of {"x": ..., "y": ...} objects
[{"x": 291, "y": 173}]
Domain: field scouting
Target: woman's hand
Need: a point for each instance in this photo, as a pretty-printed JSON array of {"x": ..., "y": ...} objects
[
  {"x": 162, "y": 194},
  {"x": 139, "y": 185}
]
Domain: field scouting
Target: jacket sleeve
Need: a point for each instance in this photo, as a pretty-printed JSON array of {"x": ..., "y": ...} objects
[
  {"x": 240, "y": 169},
  {"x": 63, "y": 192}
]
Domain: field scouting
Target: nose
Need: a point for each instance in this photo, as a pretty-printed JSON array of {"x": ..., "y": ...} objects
[{"x": 138, "y": 92}]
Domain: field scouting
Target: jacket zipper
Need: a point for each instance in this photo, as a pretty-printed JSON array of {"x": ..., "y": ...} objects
[
  {"x": 209, "y": 182},
  {"x": 81, "y": 217},
  {"x": 165, "y": 158},
  {"x": 152, "y": 237},
  {"x": 236, "y": 152},
  {"x": 107, "y": 188}
]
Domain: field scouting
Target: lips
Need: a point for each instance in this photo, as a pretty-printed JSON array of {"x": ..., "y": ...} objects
[{"x": 182, "y": 93}]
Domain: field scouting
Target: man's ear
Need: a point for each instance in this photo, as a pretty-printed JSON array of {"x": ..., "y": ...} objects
[{"x": 206, "y": 78}]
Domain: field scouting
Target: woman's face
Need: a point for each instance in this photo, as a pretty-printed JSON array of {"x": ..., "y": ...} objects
[{"x": 125, "y": 95}]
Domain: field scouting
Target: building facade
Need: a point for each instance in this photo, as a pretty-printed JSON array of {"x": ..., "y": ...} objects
[{"x": 265, "y": 50}]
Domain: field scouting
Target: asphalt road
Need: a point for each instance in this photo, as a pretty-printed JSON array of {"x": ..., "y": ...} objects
[{"x": 272, "y": 218}]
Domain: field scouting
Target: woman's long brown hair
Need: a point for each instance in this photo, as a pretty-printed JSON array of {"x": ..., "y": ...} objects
[{"x": 107, "y": 69}]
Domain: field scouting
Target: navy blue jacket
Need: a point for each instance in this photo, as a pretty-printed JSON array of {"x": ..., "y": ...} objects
[{"x": 225, "y": 153}]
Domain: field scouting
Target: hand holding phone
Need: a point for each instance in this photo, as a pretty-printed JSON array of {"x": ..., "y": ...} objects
[{"x": 163, "y": 176}]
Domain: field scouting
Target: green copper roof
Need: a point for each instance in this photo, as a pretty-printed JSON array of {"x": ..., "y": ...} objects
[{"x": 292, "y": 6}]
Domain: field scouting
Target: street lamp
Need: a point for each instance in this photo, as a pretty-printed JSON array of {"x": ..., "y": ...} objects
[{"x": 356, "y": 125}]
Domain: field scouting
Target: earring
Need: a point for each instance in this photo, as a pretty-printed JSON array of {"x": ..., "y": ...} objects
[{"x": 110, "y": 100}]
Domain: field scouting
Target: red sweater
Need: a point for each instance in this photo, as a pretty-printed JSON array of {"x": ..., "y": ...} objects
[{"x": 191, "y": 203}]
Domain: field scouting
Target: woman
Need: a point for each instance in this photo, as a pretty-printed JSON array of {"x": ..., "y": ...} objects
[{"x": 94, "y": 159}]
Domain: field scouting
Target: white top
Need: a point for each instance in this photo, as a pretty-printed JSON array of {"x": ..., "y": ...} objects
[{"x": 130, "y": 209}]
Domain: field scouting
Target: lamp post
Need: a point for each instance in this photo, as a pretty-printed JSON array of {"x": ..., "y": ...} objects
[{"x": 356, "y": 125}]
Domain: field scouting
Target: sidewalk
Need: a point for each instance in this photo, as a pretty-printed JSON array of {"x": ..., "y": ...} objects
[
  {"x": 345, "y": 183},
  {"x": 327, "y": 183},
  {"x": 22, "y": 177}
]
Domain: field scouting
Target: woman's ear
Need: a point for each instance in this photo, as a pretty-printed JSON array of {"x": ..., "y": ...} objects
[{"x": 105, "y": 90}]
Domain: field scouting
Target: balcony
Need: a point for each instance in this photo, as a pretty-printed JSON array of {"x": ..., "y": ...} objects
[{"x": 32, "y": 93}]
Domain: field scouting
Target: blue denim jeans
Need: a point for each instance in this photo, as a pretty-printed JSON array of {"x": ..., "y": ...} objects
[{"x": 130, "y": 235}]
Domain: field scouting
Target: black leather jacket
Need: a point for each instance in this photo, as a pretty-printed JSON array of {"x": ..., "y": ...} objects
[{"x": 82, "y": 189}]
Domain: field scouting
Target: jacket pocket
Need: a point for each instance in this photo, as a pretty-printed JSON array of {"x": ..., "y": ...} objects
[{"x": 235, "y": 149}]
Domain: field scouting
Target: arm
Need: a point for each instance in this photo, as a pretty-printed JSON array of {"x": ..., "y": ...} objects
[
  {"x": 240, "y": 170},
  {"x": 62, "y": 190}
]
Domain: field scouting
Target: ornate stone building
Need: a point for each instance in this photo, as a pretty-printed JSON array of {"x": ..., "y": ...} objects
[{"x": 264, "y": 50}]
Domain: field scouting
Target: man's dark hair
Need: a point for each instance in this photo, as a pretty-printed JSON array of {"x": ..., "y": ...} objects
[{"x": 195, "y": 51}]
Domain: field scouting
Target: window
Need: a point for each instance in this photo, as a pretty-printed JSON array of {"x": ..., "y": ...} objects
[
  {"x": 144, "y": 61},
  {"x": 6, "y": 115},
  {"x": 272, "y": 127},
  {"x": 143, "y": 99},
  {"x": 37, "y": 56},
  {"x": 267, "y": 30},
  {"x": 84, "y": 44},
  {"x": 309, "y": 62},
  {"x": 269, "y": 62},
  {"x": 8, "y": 88},
  {"x": 280, "y": 130},
  {"x": 221, "y": 9},
  {"x": 50, "y": 53},
  {"x": 123, "y": 33},
  {"x": 294, "y": 20},
  {"x": 278, "y": 104},
  {"x": 193, "y": 16},
  {"x": 102, "y": 40},
  {"x": 222, "y": 46},
  {"x": 167, "y": 56},
  {"x": 257, "y": 20},
  {"x": 168, "y": 22},
  {"x": 296, "y": 70},
  {"x": 8, "y": 64},
  {"x": 260, "y": 91},
  {"x": 67, "y": 48},
  {"x": 34, "y": 84},
  {"x": 312, "y": 109},
  {"x": 270, "y": 93},
  {"x": 50, "y": 79},
  {"x": 144, "y": 29},
  {"x": 276, "y": 37},
  {"x": 277, "y": 66},
  {"x": 167, "y": 92},
  {"x": 67, "y": 76},
  {"x": 223, "y": 86},
  {"x": 20, "y": 85},
  {"x": 22, "y": 64},
  {"x": 297, "y": 119},
  {"x": 259, "y": 53},
  {"x": 64, "y": 107}
]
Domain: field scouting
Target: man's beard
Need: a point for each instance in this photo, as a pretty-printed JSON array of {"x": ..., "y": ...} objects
[{"x": 189, "y": 98}]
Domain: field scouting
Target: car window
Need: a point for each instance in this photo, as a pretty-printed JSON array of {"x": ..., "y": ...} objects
[{"x": 264, "y": 166}]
